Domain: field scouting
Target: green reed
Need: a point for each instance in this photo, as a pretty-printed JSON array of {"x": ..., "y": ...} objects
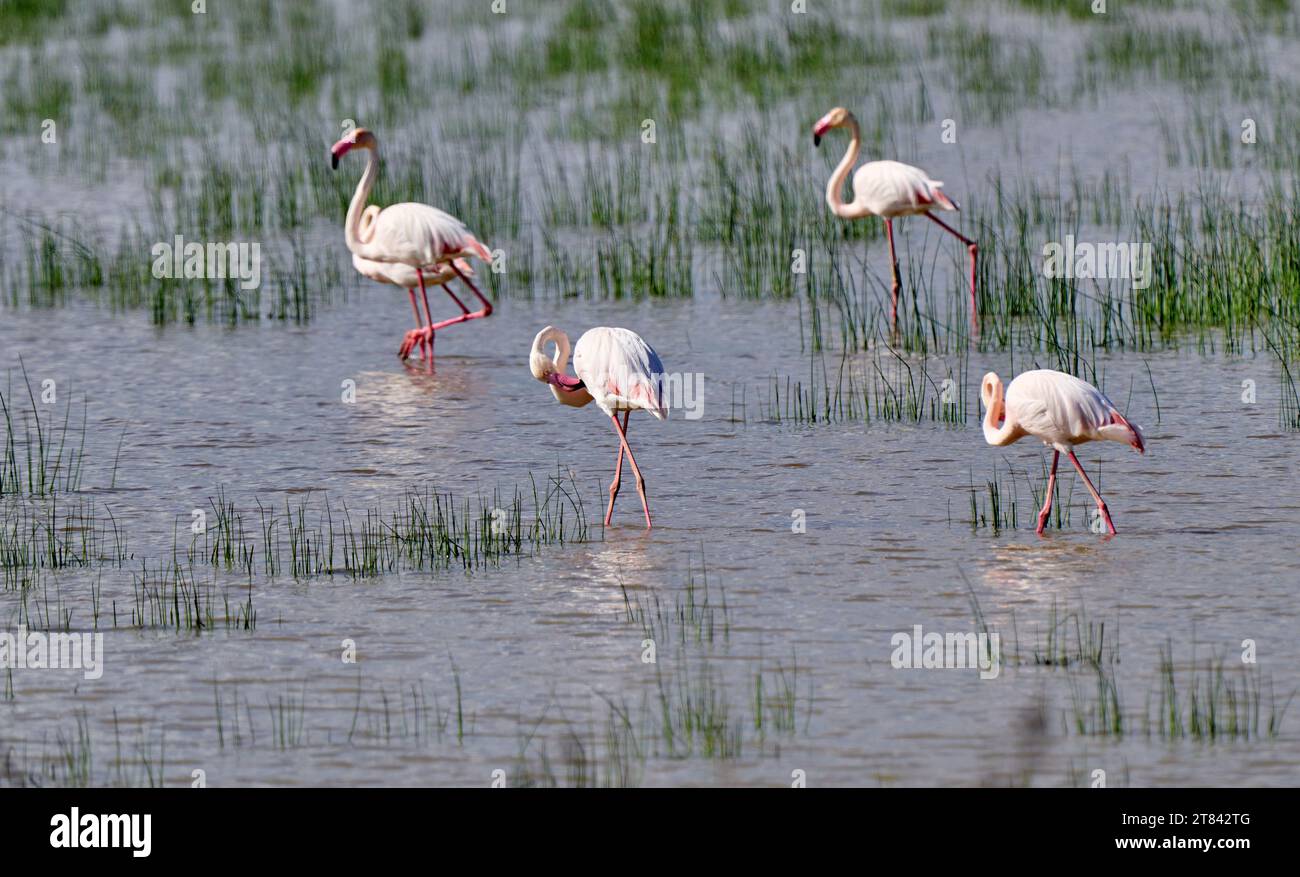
[{"x": 424, "y": 530}]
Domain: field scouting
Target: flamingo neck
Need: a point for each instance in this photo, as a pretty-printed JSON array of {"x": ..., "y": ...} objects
[
  {"x": 835, "y": 186},
  {"x": 352, "y": 225},
  {"x": 568, "y": 389},
  {"x": 995, "y": 413}
]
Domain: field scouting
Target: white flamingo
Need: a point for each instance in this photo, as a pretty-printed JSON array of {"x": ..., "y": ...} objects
[
  {"x": 408, "y": 245},
  {"x": 1062, "y": 411},
  {"x": 617, "y": 370},
  {"x": 886, "y": 189}
]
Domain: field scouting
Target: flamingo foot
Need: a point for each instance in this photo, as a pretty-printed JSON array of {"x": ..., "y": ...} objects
[
  {"x": 408, "y": 344},
  {"x": 422, "y": 338},
  {"x": 1105, "y": 514}
]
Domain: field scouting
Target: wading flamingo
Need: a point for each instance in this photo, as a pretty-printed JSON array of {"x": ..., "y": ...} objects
[
  {"x": 617, "y": 370},
  {"x": 1061, "y": 410},
  {"x": 886, "y": 189},
  {"x": 408, "y": 245}
]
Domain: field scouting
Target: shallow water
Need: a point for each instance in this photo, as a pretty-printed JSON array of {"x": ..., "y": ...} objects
[
  {"x": 541, "y": 646},
  {"x": 1205, "y": 518}
]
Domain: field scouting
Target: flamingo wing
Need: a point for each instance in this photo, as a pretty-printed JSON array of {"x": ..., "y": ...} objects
[
  {"x": 1063, "y": 410},
  {"x": 891, "y": 188},
  {"x": 417, "y": 234},
  {"x": 620, "y": 370}
]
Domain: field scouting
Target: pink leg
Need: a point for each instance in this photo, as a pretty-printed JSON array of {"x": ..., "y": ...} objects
[
  {"x": 426, "y": 340},
  {"x": 485, "y": 311},
  {"x": 412, "y": 337},
  {"x": 1101, "y": 504},
  {"x": 618, "y": 474},
  {"x": 640, "y": 482},
  {"x": 973, "y": 248},
  {"x": 460, "y": 304},
  {"x": 893, "y": 268},
  {"x": 1051, "y": 486}
]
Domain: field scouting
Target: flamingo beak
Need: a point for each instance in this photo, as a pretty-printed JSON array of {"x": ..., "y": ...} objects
[{"x": 337, "y": 151}]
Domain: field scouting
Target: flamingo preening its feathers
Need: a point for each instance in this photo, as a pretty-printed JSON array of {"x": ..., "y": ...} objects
[
  {"x": 408, "y": 245},
  {"x": 614, "y": 368},
  {"x": 1062, "y": 411},
  {"x": 886, "y": 189}
]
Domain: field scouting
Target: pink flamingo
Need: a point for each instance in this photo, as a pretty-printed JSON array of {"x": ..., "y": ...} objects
[
  {"x": 1063, "y": 411},
  {"x": 887, "y": 189},
  {"x": 408, "y": 245},
  {"x": 616, "y": 369}
]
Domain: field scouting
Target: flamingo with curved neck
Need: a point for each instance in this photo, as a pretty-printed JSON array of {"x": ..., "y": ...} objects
[
  {"x": 614, "y": 368},
  {"x": 408, "y": 245},
  {"x": 887, "y": 189},
  {"x": 1062, "y": 411}
]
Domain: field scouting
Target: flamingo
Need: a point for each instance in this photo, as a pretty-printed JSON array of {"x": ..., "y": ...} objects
[
  {"x": 408, "y": 245},
  {"x": 886, "y": 189},
  {"x": 617, "y": 370},
  {"x": 1062, "y": 411}
]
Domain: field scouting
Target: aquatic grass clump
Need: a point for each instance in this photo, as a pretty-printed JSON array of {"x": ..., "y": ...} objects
[
  {"x": 887, "y": 387},
  {"x": 776, "y": 700},
  {"x": 173, "y": 597},
  {"x": 995, "y": 508},
  {"x": 73, "y": 758},
  {"x": 1181, "y": 53},
  {"x": 49, "y": 535},
  {"x": 28, "y": 21},
  {"x": 1216, "y": 703},
  {"x": 697, "y": 716},
  {"x": 41, "y": 456},
  {"x": 427, "y": 530},
  {"x": 992, "y": 74},
  {"x": 696, "y": 619},
  {"x": 63, "y": 261},
  {"x": 998, "y": 505},
  {"x": 1055, "y": 647}
]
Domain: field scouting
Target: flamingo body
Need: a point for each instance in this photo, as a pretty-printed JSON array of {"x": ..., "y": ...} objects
[
  {"x": 1064, "y": 411},
  {"x": 415, "y": 235},
  {"x": 891, "y": 188},
  {"x": 620, "y": 371}
]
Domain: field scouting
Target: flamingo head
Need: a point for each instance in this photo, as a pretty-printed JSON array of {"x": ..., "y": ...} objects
[
  {"x": 991, "y": 396},
  {"x": 540, "y": 363},
  {"x": 834, "y": 119},
  {"x": 550, "y": 369},
  {"x": 357, "y": 138}
]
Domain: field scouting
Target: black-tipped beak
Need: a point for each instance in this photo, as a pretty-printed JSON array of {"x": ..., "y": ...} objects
[
  {"x": 817, "y": 140},
  {"x": 334, "y": 161}
]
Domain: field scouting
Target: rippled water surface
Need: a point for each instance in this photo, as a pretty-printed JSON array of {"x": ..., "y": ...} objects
[{"x": 535, "y": 665}]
